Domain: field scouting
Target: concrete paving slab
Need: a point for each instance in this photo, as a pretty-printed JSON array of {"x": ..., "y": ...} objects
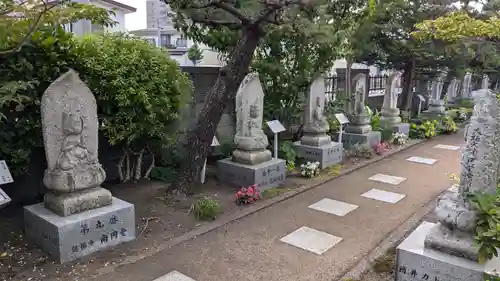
[
  {"x": 387, "y": 179},
  {"x": 384, "y": 196},
  {"x": 447, "y": 147},
  {"x": 174, "y": 276},
  {"x": 422, "y": 160},
  {"x": 311, "y": 240},
  {"x": 333, "y": 207}
]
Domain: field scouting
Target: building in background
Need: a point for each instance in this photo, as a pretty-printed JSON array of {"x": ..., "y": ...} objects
[
  {"x": 83, "y": 27},
  {"x": 160, "y": 32}
]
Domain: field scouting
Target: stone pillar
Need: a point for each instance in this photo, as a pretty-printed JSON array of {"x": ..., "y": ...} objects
[
  {"x": 465, "y": 92},
  {"x": 78, "y": 217},
  {"x": 316, "y": 144},
  {"x": 251, "y": 162},
  {"x": 447, "y": 250},
  {"x": 436, "y": 104},
  {"x": 389, "y": 116}
]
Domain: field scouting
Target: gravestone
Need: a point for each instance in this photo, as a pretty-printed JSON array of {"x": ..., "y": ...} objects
[
  {"x": 78, "y": 217},
  {"x": 452, "y": 91},
  {"x": 466, "y": 90},
  {"x": 485, "y": 83},
  {"x": 251, "y": 163},
  {"x": 359, "y": 129},
  {"x": 316, "y": 144},
  {"x": 436, "y": 104},
  {"x": 446, "y": 250},
  {"x": 389, "y": 116}
]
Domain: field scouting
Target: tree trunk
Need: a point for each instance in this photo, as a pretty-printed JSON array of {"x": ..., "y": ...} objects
[
  {"x": 349, "y": 107},
  {"x": 407, "y": 93},
  {"x": 199, "y": 139}
]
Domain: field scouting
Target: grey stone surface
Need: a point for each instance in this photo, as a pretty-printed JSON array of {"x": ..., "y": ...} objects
[
  {"x": 72, "y": 237},
  {"x": 485, "y": 83},
  {"x": 251, "y": 142},
  {"x": 466, "y": 90},
  {"x": 67, "y": 204},
  {"x": 70, "y": 134},
  {"x": 401, "y": 128},
  {"x": 360, "y": 120},
  {"x": 479, "y": 173},
  {"x": 416, "y": 262},
  {"x": 371, "y": 138},
  {"x": 327, "y": 155},
  {"x": 4, "y": 199},
  {"x": 316, "y": 125},
  {"x": 452, "y": 90},
  {"x": 265, "y": 175}
]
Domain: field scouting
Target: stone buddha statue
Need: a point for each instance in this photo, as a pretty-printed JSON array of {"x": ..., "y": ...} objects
[{"x": 76, "y": 168}]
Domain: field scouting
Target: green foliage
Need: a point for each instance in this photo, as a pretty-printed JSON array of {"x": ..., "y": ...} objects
[
  {"x": 333, "y": 107},
  {"x": 273, "y": 192},
  {"x": 140, "y": 90},
  {"x": 206, "y": 209},
  {"x": 459, "y": 115},
  {"x": 195, "y": 54},
  {"x": 447, "y": 125},
  {"x": 386, "y": 134},
  {"x": 361, "y": 151},
  {"x": 164, "y": 173},
  {"x": 375, "y": 121},
  {"x": 426, "y": 130},
  {"x": 487, "y": 224},
  {"x": 287, "y": 151}
]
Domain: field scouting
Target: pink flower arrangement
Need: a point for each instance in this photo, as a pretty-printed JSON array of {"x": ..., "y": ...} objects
[
  {"x": 381, "y": 148},
  {"x": 247, "y": 195}
]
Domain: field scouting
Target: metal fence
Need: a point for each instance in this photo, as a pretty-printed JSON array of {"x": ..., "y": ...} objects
[{"x": 377, "y": 86}]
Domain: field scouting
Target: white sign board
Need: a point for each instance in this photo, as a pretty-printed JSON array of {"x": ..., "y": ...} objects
[
  {"x": 215, "y": 141},
  {"x": 4, "y": 198},
  {"x": 275, "y": 126},
  {"x": 341, "y": 118},
  {"x": 422, "y": 99},
  {"x": 5, "y": 176}
]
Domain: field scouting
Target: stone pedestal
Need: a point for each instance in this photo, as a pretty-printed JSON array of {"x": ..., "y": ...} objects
[
  {"x": 436, "y": 109},
  {"x": 66, "y": 204},
  {"x": 389, "y": 116},
  {"x": 371, "y": 138},
  {"x": 265, "y": 175},
  {"x": 415, "y": 262},
  {"x": 75, "y": 236},
  {"x": 327, "y": 155},
  {"x": 401, "y": 128}
]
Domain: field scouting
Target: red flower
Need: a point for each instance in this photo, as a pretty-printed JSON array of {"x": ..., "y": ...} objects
[
  {"x": 243, "y": 190},
  {"x": 250, "y": 190}
]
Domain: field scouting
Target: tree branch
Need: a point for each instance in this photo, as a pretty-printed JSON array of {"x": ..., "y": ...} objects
[
  {"x": 272, "y": 7},
  {"x": 221, "y": 4},
  {"x": 32, "y": 28}
]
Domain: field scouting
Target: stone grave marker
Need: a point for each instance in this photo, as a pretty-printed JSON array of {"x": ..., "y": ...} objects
[
  {"x": 78, "y": 217},
  {"x": 251, "y": 162},
  {"x": 5, "y": 178},
  {"x": 316, "y": 144},
  {"x": 389, "y": 115},
  {"x": 446, "y": 251},
  {"x": 436, "y": 104}
]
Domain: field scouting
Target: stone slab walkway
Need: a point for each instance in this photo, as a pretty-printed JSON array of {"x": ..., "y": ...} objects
[{"x": 317, "y": 235}]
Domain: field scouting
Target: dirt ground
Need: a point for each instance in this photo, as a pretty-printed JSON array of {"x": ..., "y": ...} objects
[{"x": 158, "y": 219}]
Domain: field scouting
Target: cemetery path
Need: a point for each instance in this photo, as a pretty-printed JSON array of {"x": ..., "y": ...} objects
[{"x": 250, "y": 248}]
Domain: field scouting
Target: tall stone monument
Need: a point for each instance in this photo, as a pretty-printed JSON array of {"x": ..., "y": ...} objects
[
  {"x": 251, "y": 162},
  {"x": 485, "y": 83},
  {"x": 436, "y": 104},
  {"x": 389, "y": 116},
  {"x": 78, "y": 217},
  {"x": 316, "y": 144},
  {"x": 446, "y": 251},
  {"x": 452, "y": 91},
  {"x": 466, "y": 90},
  {"x": 359, "y": 130}
]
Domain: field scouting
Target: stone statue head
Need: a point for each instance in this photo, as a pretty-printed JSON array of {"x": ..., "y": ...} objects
[
  {"x": 72, "y": 124},
  {"x": 254, "y": 111}
]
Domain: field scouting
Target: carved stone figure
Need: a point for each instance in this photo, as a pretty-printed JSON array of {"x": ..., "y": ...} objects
[
  {"x": 466, "y": 86},
  {"x": 316, "y": 124},
  {"x": 70, "y": 132},
  {"x": 479, "y": 173},
  {"x": 251, "y": 141},
  {"x": 390, "y": 111},
  {"x": 485, "y": 83},
  {"x": 360, "y": 120}
]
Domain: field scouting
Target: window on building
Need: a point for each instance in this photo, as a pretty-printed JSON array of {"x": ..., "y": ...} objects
[
  {"x": 165, "y": 40},
  {"x": 181, "y": 41}
]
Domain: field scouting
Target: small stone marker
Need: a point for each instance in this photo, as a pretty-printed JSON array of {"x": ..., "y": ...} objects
[
  {"x": 421, "y": 100},
  {"x": 215, "y": 142},
  {"x": 5, "y": 178},
  {"x": 276, "y": 127}
]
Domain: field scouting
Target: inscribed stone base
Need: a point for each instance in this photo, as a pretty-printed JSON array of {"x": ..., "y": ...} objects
[
  {"x": 414, "y": 262},
  {"x": 401, "y": 128},
  {"x": 371, "y": 138},
  {"x": 327, "y": 155},
  {"x": 265, "y": 175},
  {"x": 72, "y": 237},
  {"x": 66, "y": 204}
]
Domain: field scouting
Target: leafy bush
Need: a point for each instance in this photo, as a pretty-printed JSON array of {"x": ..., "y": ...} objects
[
  {"x": 140, "y": 91},
  {"x": 426, "y": 130},
  {"x": 206, "y": 209},
  {"x": 287, "y": 152},
  {"x": 375, "y": 121},
  {"x": 399, "y": 139},
  {"x": 460, "y": 114},
  {"x": 488, "y": 220},
  {"x": 447, "y": 126},
  {"x": 361, "y": 151}
]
